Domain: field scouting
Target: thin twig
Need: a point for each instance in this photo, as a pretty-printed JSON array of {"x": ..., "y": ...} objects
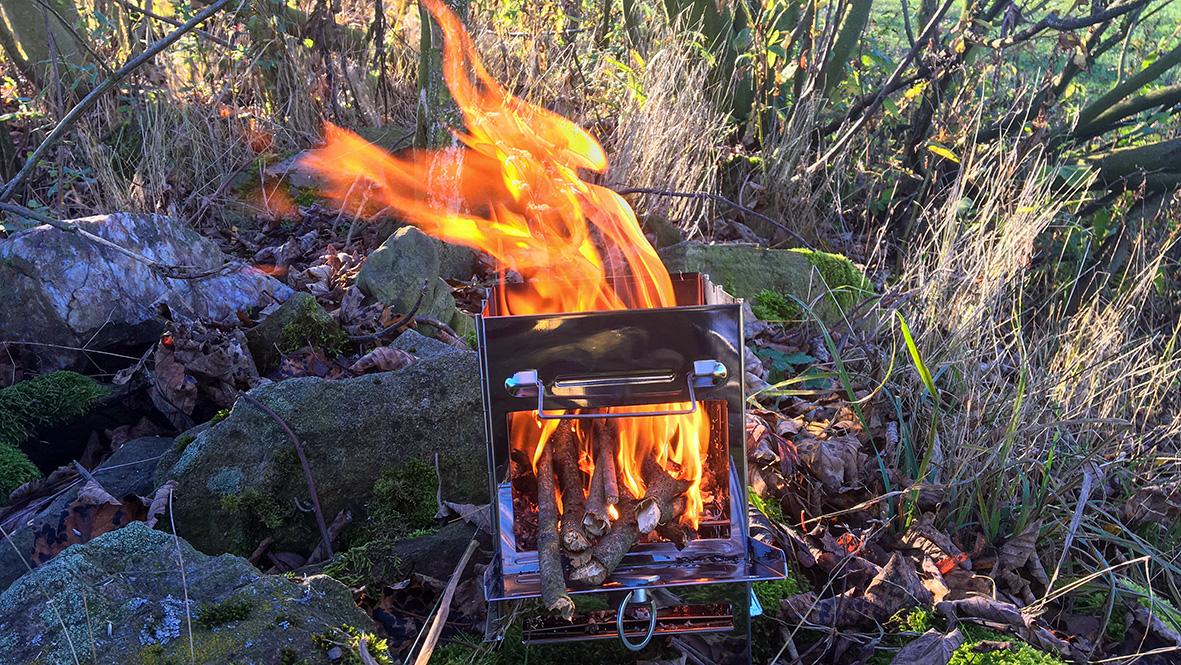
[
  {"x": 927, "y": 34},
  {"x": 396, "y": 324},
  {"x": 307, "y": 471},
  {"x": 171, "y": 21},
  {"x": 90, "y": 99},
  {"x": 443, "y": 328},
  {"x": 719, "y": 199},
  {"x": 164, "y": 270},
  {"x": 432, "y": 637},
  {"x": 183, "y": 581}
]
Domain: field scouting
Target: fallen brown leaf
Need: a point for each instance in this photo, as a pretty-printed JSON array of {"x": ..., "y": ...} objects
[{"x": 931, "y": 648}]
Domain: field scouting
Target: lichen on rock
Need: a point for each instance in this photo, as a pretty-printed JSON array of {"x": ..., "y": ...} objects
[{"x": 123, "y": 594}]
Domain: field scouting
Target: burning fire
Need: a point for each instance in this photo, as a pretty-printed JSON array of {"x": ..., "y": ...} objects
[{"x": 512, "y": 190}]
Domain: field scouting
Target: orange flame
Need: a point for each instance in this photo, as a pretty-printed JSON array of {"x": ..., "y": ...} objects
[{"x": 512, "y": 190}]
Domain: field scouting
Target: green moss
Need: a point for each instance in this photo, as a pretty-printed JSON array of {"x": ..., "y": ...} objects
[
  {"x": 771, "y": 306},
  {"x": 15, "y": 470},
  {"x": 847, "y": 285},
  {"x": 183, "y": 442},
  {"x": 261, "y": 506},
  {"x": 43, "y": 401},
  {"x": 218, "y": 614},
  {"x": 1020, "y": 654},
  {"x": 348, "y": 639},
  {"x": 403, "y": 499},
  {"x": 373, "y": 563},
  {"x": 219, "y": 416},
  {"x": 289, "y": 656},
  {"x": 311, "y": 327}
]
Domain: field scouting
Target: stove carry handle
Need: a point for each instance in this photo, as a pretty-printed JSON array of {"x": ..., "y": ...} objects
[{"x": 705, "y": 374}]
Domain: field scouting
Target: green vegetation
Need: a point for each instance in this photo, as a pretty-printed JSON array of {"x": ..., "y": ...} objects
[
  {"x": 370, "y": 564},
  {"x": 311, "y": 327},
  {"x": 43, "y": 401},
  {"x": 16, "y": 469},
  {"x": 183, "y": 442},
  {"x": 404, "y": 499},
  {"x": 771, "y": 306},
  {"x": 219, "y": 416},
  {"x": 1019, "y": 653},
  {"x": 218, "y": 614},
  {"x": 261, "y": 506},
  {"x": 349, "y": 639}
]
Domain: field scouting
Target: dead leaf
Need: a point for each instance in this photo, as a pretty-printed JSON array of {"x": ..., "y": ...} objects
[
  {"x": 931, "y": 648},
  {"x": 835, "y": 462},
  {"x": 1155, "y": 503},
  {"x": 382, "y": 359},
  {"x": 124, "y": 433},
  {"x": 173, "y": 391},
  {"x": 480, "y": 516},
  {"x": 159, "y": 503},
  {"x": 89, "y": 516},
  {"x": 94, "y": 494},
  {"x": 1026, "y": 626}
]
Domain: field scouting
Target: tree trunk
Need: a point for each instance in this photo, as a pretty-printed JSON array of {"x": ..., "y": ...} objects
[
  {"x": 25, "y": 40},
  {"x": 437, "y": 111}
]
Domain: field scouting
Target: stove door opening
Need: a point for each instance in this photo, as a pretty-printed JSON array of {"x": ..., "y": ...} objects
[{"x": 624, "y": 483}]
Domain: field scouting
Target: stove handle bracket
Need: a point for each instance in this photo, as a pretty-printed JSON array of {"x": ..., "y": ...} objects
[{"x": 705, "y": 374}]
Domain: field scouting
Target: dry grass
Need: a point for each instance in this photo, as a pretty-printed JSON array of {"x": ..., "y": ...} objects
[
  {"x": 1033, "y": 400},
  {"x": 669, "y": 133}
]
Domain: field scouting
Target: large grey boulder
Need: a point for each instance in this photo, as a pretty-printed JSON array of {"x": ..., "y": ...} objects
[
  {"x": 59, "y": 288},
  {"x": 823, "y": 280},
  {"x": 128, "y": 471},
  {"x": 123, "y": 595},
  {"x": 241, "y": 480}
]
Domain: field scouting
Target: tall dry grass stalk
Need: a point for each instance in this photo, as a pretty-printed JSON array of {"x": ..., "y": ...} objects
[
  {"x": 1030, "y": 397},
  {"x": 669, "y": 133}
]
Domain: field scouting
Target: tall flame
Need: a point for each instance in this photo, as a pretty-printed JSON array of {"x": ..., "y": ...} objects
[{"x": 513, "y": 190}]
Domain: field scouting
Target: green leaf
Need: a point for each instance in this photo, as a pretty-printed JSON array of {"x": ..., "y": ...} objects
[
  {"x": 916, "y": 358},
  {"x": 308, "y": 43}
]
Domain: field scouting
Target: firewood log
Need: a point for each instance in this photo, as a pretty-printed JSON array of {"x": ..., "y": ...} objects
[
  {"x": 606, "y": 448},
  {"x": 549, "y": 555},
  {"x": 597, "y": 520},
  {"x": 657, "y": 506},
  {"x": 565, "y": 456},
  {"x": 609, "y": 551},
  {"x": 675, "y": 532}
]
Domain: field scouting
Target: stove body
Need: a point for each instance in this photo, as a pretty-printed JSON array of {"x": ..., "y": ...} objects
[{"x": 671, "y": 360}]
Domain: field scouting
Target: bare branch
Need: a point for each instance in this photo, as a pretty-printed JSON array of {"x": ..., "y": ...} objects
[{"x": 90, "y": 99}]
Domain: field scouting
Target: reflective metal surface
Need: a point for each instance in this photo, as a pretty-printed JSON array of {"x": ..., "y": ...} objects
[{"x": 690, "y": 353}]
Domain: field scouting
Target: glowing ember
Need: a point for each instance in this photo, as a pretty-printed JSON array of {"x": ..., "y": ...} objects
[{"x": 512, "y": 190}]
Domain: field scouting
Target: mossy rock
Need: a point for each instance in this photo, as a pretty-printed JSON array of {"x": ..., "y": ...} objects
[
  {"x": 240, "y": 481},
  {"x": 39, "y": 402},
  {"x": 298, "y": 322},
  {"x": 16, "y": 469},
  {"x": 123, "y": 595},
  {"x": 830, "y": 281},
  {"x": 395, "y": 272}
]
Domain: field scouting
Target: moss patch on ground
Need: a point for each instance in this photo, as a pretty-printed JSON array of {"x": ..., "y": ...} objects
[
  {"x": 38, "y": 402},
  {"x": 44, "y": 401},
  {"x": 16, "y": 469}
]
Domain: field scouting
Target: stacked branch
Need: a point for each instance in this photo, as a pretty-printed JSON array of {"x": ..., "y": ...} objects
[
  {"x": 549, "y": 556},
  {"x": 585, "y": 513}
]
